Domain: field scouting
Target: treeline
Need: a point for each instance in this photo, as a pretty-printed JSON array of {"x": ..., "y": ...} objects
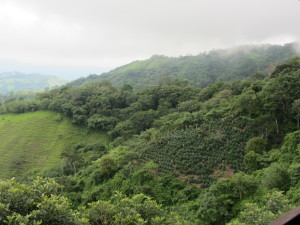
[
  {"x": 200, "y": 70},
  {"x": 18, "y": 82},
  {"x": 16, "y": 96}
]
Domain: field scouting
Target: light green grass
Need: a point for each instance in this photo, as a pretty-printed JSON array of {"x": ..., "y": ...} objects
[
  {"x": 152, "y": 63},
  {"x": 35, "y": 141}
]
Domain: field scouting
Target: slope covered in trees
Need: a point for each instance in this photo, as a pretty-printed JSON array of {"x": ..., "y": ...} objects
[
  {"x": 224, "y": 154},
  {"x": 200, "y": 70}
]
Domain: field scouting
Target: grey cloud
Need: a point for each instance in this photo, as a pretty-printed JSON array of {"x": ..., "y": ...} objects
[{"x": 107, "y": 33}]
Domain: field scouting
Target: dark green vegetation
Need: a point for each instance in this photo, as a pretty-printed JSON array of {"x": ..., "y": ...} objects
[
  {"x": 200, "y": 70},
  {"x": 39, "y": 203},
  {"x": 228, "y": 153},
  {"x": 15, "y": 81}
]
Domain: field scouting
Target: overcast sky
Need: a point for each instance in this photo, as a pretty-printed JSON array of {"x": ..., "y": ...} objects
[{"x": 78, "y": 37}]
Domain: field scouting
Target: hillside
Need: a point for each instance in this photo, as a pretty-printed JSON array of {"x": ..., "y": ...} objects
[
  {"x": 36, "y": 140},
  {"x": 16, "y": 81},
  {"x": 200, "y": 70},
  {"x": 224, "y": 154}
]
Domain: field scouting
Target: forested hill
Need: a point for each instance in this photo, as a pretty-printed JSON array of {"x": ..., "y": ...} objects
[
  {"x": 224, "y": 154},
  {"x": 200, "y": 70},
  {"x": 16, "y": 81}
]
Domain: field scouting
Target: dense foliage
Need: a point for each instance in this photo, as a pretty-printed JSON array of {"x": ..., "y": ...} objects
[
  {"x": 40, "y": 203},
  {"x": 227, "y": 153},
  {"x": 200, "y": 70}
]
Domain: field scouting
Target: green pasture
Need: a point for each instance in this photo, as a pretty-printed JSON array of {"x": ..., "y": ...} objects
[{"x": 35, "y": 141}]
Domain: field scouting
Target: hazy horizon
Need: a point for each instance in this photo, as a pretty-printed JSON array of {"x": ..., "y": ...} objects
[{"x": 71, "y": 39}]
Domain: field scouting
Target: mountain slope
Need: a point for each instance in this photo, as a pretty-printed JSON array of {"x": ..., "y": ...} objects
[
  {"x": 240, "y": 139},
  {"x": 200, "y": 70},
  {"x": 36, "y": 140},
  {"x": 16, "y": 81}
]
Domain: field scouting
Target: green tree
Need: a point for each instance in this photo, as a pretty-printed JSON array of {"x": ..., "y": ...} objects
[
  {"x": 252, "y": 161},
  {"x": 139, "y": 209},
  {"x": 106, "y": 168},
  {"x": 270, "y": 207},
  {"x": 256, "y": 144},
  {"x": 296, "y": 110},
  {"x": 37, "y": 203},
  {"x": 276, "y": 176}
]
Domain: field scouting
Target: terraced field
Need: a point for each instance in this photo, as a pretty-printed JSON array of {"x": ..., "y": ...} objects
[{"x": 35, "y": 141}]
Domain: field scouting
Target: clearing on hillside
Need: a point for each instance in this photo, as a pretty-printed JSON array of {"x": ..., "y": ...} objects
[{"x": 35, "y": 140}]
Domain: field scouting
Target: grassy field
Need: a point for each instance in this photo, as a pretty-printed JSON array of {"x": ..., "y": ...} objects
[{"x": 35, "y": 140}]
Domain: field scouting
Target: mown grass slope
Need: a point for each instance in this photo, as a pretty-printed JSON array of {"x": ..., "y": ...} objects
[{"x": 35, "y": 140}]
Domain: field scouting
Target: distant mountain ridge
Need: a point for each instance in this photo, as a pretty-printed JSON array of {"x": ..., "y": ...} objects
[
  {"x": 17, "y": 81},
  {"x": 200, "y": 70}
]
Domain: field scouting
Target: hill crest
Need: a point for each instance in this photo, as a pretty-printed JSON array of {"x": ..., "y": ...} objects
[{"x": 200, "y": 70}]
